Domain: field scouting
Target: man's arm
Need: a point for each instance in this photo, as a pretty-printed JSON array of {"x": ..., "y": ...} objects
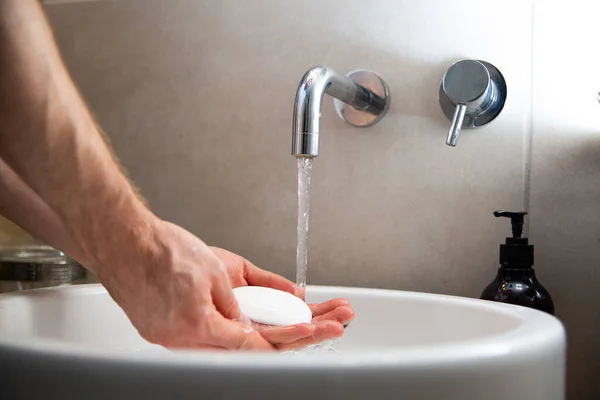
[
  {"x": 60, "y": 181},
  {"x": 173, "y": 288},
  {"x": 49, "y": 139},
  {"x": 27, "y": 210}
]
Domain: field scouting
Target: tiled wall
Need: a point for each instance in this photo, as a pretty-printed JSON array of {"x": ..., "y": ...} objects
[
  {"x": 11, "y": 234},
  {"x": 197, "y": 99}
]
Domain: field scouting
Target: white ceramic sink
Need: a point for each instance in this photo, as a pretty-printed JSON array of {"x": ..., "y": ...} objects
[{"x": 75, "y": 342}]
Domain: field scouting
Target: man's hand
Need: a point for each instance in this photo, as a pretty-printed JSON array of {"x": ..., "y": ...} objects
[
  {"x": 329, "y": 318},
  {"x": 178, "y": 294}
]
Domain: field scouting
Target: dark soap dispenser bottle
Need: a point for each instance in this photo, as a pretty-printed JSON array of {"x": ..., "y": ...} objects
[{"x": 515, "y": 281}]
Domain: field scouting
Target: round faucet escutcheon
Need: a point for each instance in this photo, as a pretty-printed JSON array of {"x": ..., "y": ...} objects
[{"x": 376, "y": 85}]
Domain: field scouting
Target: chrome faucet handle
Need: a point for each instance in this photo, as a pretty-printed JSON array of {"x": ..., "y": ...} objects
[{"x": 472, "y": 94}]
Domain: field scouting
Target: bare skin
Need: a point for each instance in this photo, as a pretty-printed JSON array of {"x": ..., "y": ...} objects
[
  {"x": 328, "y": 317},
  {"x": 60, "y": 181}
]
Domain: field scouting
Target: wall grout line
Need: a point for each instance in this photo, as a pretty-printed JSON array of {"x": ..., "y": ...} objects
[{"x": 528, "y": 137}]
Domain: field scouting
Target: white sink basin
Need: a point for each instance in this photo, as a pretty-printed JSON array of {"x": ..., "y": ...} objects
[{"x": 75, "y": 342}]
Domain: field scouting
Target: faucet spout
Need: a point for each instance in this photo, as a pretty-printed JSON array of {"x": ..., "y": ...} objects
[{"x": 364, "y": 92}]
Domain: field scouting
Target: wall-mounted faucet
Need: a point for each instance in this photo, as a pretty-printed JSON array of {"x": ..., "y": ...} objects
[
  {"x": 472, "y": 94},
  {"x": 361, "y": 98}
]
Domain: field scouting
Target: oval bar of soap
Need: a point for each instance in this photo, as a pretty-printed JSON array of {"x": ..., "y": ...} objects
[{"x": 271, "y": 306}]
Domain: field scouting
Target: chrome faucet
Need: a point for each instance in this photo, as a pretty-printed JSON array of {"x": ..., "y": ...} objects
[{"x": 361, "y": 98}]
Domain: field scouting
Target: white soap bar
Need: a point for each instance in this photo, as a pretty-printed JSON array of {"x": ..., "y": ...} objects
[{"x": 272, "y": 307}]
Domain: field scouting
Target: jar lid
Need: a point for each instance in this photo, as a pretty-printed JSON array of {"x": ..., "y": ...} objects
[
  {"x": 38, "y": 263},
  {"x": 33, "y": 254}
]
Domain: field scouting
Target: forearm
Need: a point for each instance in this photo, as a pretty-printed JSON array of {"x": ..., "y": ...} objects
[
  {"x": 24, "y": 207},
  {"x": 50, "y": 140}
]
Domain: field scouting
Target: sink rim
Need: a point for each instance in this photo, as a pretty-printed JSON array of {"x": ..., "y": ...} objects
[{"x": 535, "y": 331}]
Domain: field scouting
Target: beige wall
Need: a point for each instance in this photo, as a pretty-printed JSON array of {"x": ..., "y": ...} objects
[
  {"x": 565, "y": 190},
  {"x": 197, "y": 98},
  {"x": 12, "y": 234}
]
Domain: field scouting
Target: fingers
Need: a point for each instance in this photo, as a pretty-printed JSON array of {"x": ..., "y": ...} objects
[
  {"x": 212, "y": 331},
  {"x": 234, "y": 265},
  {"x": 251, "y": 275},
  {"x": 343, "y": 315},
  {"x": 322, "y": 331},
  {"x": 323, "y": 308},
  {"x": 259, "y": 277},
  {"x": 237, "y": 336},
  {"x": 204, "y": 347},
  {"x": 286, "y": 334},
  {"x": 223, "y": 297},
  {"x": 298, "y": 336}
]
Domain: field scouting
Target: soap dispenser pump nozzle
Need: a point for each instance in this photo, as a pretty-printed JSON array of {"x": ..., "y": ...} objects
[
  {"x": 516, "y": 252},
  {"x": 516, "y": 219}
]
